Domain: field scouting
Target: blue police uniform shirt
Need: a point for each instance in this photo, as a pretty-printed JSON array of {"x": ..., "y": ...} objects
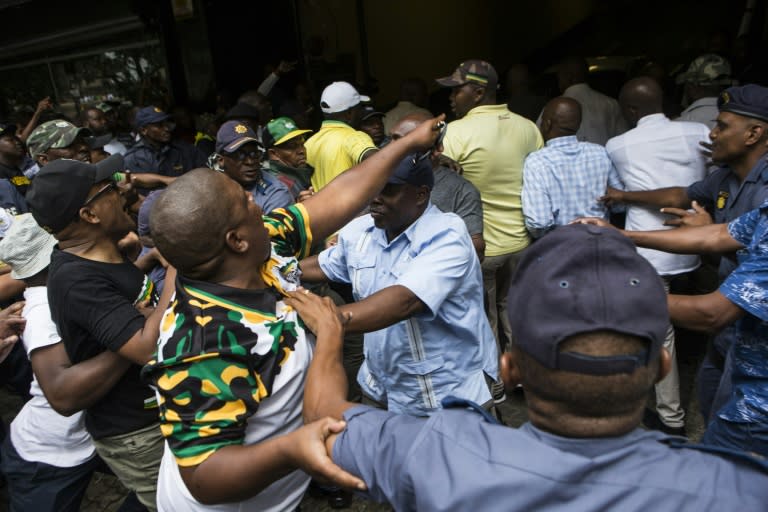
[
  {"x": 173, "y": 159},
  {"x": 11, "y": 199},
  {"x": 456, "y": 460},
  {"x": 747, "y": 287},
  {"x": 445, "y": 350},
  {"x": 723, "y": 195},
  {"x": 271, "y": 193}
]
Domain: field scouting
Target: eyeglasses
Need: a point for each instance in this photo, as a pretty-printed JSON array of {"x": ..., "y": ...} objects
[
  {"x": 103, "y": 190},
  {"x": 243, "y": 155}
]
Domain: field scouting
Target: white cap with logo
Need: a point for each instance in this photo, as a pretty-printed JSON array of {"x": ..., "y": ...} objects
[{"x": 340, "y": 96}]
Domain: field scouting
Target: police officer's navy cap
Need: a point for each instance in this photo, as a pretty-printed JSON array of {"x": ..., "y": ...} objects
[
  {"x": 61, "y": 188},
  {"x": 232, "y": 135},
  {"x": 580, "y": 279},
  {"x": 747, "y": 100},
  {"x": 413, "y": 171},
  {"x": 150, "y": 115},
  {"x": 7, "y": 128}
]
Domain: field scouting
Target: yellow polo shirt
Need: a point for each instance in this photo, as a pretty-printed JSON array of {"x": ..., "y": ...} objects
[
  {"x": 491, "y": 144},
  {"x": 335, "y": 148}
]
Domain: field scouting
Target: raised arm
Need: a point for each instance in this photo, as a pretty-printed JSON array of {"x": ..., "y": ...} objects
[
  {"x": 345, "y": 196},
  {"x": 140, "y": 348},
  {"x": 325, "y": 391}
]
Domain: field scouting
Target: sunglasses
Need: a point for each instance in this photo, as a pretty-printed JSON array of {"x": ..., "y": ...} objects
[
  {"x": 242, "y": 155},
  {"x": 111, "y": 185}
]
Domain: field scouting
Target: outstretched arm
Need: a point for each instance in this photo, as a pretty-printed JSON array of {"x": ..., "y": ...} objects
[
  {"x": 708, "y": 313},
  {"x": 382, "y": 309},
  {"x": 711, "y": 238},
  {"x": 345, "y": 196},
  {"x": 675, "y": 197}
]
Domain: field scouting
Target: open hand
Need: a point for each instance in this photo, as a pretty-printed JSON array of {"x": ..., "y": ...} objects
[
  {"x": 318, "y": 313},
  {"x": 698, "y": 217},
  {"x": 310, "y": 453}
]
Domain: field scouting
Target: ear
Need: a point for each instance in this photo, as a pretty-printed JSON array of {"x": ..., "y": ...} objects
[
  {"x": 546, "y": 125},
  {"x": 422, "y": 196},
  {"x": 87, "y": 214},
  {"x": 665, "y": 364},
  {"x": 509, "y": 370},
  {"x": 479, "y": 94},
  {"x": 235, "y": 242},
  {"x": 143, "y": 131},
  {"x": 755, "y": 134}
]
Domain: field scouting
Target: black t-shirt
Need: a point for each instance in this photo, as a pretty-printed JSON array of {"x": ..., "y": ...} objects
[{"x": 92, "y": 304}]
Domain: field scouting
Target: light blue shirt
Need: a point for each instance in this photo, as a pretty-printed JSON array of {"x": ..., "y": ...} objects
[
  {"x": 412, "y": 365},
  {"x": 563, "y": 181},
  {"x": 270, "y": 193},
  {"x": 455, "y": 460}
]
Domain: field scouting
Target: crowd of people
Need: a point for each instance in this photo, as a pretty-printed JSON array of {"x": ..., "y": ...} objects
[{"x": 225, "y": 316}]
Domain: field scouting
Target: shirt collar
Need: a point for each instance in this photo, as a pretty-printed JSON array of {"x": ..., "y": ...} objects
[
  {"x": 757, "y": 171},
  {"x": 335, "y": 122},
  {"x": 653, "y": 118},
  {"x": 481, "y": 109},
  {"x": 568, "y": 140}
]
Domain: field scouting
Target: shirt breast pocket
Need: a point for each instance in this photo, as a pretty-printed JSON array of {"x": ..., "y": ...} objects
[{"x": 363, "y": 275}]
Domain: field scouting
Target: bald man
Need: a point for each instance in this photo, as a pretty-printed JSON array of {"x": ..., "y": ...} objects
[
  {"x": 452, "y": 193},
  {"x": 658, "y": 153},
  {"x": 566, "y": 177}
]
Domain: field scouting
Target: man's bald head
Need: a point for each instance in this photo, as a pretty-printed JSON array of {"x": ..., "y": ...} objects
[
  {"x": 641, "y": 97},
  {"x": 408, "y": 123},
  {"x": 189, "y": 220},
  {"x": 561, "y": 117}
]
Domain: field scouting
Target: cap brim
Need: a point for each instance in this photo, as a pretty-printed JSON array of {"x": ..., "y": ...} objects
[
  {"x": 364, "y": 99},
  {"x": 371, "y": 114},
  {"x": 98, "y": 141},
  {"x": 290, "y": 135},
  {"x": 233, "y": 146},
  {"x": 449, "y": 81},
  {"x": 109, "y": 166}
]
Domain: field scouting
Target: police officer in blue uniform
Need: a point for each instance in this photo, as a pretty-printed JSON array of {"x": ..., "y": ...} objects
[{"x": 587, "y": 363}]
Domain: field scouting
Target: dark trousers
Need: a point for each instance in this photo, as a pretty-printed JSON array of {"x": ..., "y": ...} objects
[{"x": 39, "y": 487}]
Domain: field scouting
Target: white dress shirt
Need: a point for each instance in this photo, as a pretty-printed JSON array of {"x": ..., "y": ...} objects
[{"x": 659, "y": 153}]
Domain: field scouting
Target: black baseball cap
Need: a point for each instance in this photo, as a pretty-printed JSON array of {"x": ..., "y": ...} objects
[
  {"x": 579, "y": 279},
  {"x": 61, "y": 188},
  {"x": 414, "y": 171}
]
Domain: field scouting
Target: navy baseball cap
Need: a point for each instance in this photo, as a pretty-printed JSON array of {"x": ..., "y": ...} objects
[
  {"x": 61, "y": 188},
  {"x": 150, "y": 115},
  {"x": 234, "y": 134},
  {"x": 580, "y": 279},
  {"x": 413, "y": 171},
  {"x": 746, "y": 100}
]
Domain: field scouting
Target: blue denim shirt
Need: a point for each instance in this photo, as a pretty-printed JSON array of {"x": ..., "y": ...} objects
[{"x": 445, "y": 350}]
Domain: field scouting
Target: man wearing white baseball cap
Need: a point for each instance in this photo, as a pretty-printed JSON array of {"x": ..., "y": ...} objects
[{"x": 338, "y": 145}]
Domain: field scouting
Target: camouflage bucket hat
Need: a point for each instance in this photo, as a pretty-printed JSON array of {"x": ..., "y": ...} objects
[
  {"x": 709, "y": 69},
  {"x": 54, "y": 134},
  {"x": 471, "y": 71}
]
